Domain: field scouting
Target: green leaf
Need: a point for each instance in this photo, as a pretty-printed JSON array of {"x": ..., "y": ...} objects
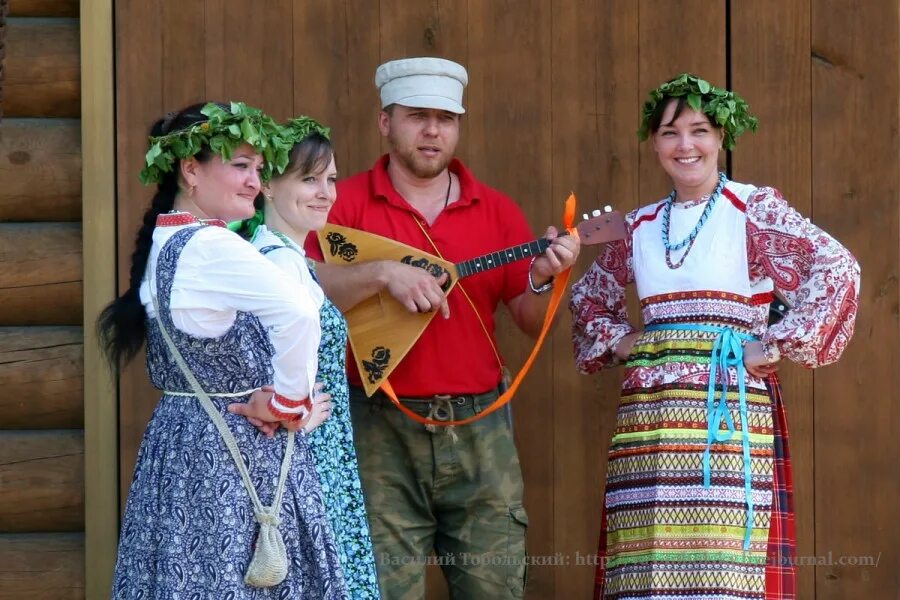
[
  {"x": 164, "y": 162},
  {"x": 722, "y": 115},
  {"x": 703, "y": 85},
  {"x": 248, "y": 132},
  {"x": 154, "y": 151},
  {"x": 693, "y": 101}
]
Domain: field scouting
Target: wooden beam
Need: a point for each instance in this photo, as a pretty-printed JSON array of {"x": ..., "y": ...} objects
[
  {"x": 42, "y": 478},
  {"x": 42, "y": 566},
  {"x": 101, "y": 482},
  {"x": 40, "y": 167},
  {"x": 40, "y": 274},
  {"x": 42, "y": 68},
  {"x": 44, "y": 8},
  {"x": 4, "y": 11},
  {"x": 44, "y": 365}
]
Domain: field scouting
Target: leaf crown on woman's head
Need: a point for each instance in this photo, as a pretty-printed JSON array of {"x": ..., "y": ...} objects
[
  {"x": 298, "y": 128},
  {"x": 723, "y": 107},
  {"x": 222, "y": 132}
]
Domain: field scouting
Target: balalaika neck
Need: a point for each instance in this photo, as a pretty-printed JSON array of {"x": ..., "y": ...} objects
[{"x": 501, "y": 257}]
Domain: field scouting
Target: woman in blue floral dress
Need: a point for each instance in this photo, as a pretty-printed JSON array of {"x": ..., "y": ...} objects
[
  {"x": 232, "y": 345},
  {"x": 298, "y": 202}
]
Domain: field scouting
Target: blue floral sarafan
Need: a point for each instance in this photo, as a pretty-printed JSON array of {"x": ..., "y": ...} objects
[
  {"x": 189, "y": 530},
  {"x": 335, "y": 458}
]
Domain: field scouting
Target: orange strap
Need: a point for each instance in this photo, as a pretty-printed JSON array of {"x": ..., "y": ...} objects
[{"x": 559, "y": 288}]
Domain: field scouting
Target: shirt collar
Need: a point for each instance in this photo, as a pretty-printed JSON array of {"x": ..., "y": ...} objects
[
  {"x": 177, "y": 219},
  {"x": 470, "y": 188}
]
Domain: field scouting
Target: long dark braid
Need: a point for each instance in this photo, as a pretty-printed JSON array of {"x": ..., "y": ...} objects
[{"x": 122, "y": 326}]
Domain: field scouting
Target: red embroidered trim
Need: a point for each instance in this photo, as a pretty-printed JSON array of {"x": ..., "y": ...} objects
[
  {"x": 694, "y": 295},
  {"x": 305, "y": 405},
  {"x": 649, "y": 217},
  {"x": 183, "y": 218},
  {"x": 735, "y": 200},
  {"x": 763, "y": 298}
]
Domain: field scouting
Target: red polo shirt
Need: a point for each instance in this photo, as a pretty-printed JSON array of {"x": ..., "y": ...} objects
[{"x": 452, "y": 356}]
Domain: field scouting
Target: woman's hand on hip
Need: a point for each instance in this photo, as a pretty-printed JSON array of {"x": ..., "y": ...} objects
[{"x": 756, "y": 362}]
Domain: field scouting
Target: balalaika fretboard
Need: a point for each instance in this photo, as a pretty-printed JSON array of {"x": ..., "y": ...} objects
[{"x": 501, "y": 257}]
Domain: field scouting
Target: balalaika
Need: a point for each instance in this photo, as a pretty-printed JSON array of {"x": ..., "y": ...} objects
[{"x": 381, "y": 330}]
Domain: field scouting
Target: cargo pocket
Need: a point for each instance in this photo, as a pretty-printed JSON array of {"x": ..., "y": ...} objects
[{"x": 517, "y": 569}]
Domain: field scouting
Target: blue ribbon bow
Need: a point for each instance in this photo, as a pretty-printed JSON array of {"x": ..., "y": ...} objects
[{"x": 727, "y": 352}]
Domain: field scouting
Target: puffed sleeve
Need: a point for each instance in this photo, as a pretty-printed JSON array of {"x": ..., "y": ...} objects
[
  {"x": 233, "y": 275},
  {"x": 816, "y": 275},
  {"x": 599, "y": 311}
]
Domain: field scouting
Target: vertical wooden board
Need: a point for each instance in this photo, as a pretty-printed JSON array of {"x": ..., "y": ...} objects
[
  {"x": 359, "y": 135},
  {"x": 770, "y": 68},
  {"x": 139, "y": 101},
  {"x": 337, "y": 48},
  {"x": 101, "y": 436},
  {"x": 855, "y": 198},
  {"x": 182, "y": 30},
  {"x": 676, "y": 36},
  {"x": 423, "y": 29},
  {"x": 252, "y": 57},
  {"x": 594, "y": 107},
  {"x": 507, "y": 142}
]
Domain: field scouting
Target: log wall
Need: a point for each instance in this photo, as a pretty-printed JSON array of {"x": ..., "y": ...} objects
[{"x": 42, "y": 483}]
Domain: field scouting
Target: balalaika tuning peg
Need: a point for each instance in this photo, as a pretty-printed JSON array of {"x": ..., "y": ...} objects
[
  {"x": 596, "y": 212},
  {"x": 607, "y": 208},
  {"x": 585, "y": 216}
]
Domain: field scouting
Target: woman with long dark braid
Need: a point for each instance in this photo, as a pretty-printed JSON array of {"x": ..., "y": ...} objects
[{"x": 225, "y": 502}]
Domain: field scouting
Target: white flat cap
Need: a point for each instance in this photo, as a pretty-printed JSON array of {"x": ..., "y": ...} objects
[{"x": 422, "y": 83}]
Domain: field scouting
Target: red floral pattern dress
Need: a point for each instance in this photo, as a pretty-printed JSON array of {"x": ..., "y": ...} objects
[{"x": 698, "y": 500}]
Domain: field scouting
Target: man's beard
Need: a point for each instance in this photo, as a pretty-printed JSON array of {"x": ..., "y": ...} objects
[{"x": 418, "y": 167}]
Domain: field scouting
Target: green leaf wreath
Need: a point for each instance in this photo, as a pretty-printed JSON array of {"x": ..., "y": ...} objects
[
  {"x": 298, "y": 128},
  {"x": 723, "y": 107},
  {"x": 222, "y": 132}
]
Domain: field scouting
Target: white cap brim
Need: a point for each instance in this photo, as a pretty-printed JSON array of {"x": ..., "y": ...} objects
[{"x": 438, "y": 102}]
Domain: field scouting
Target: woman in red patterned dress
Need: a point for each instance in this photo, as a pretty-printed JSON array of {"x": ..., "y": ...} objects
[{"x": 698, "y": 499}]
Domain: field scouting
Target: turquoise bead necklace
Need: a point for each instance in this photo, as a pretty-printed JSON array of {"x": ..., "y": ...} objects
[{"x": 689, "y": 240}]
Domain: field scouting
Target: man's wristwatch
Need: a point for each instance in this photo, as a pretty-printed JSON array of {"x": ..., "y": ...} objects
[{"x": 542, "y": 289}]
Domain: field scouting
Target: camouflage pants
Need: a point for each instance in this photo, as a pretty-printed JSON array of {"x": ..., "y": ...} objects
[{"x": 435, "y": 500}]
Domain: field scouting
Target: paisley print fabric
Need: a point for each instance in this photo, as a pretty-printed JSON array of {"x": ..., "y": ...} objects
[{"x": 189, "y": 528}]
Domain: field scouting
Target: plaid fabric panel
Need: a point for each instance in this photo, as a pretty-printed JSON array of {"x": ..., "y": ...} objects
[{"x": 781, "y": 576}]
